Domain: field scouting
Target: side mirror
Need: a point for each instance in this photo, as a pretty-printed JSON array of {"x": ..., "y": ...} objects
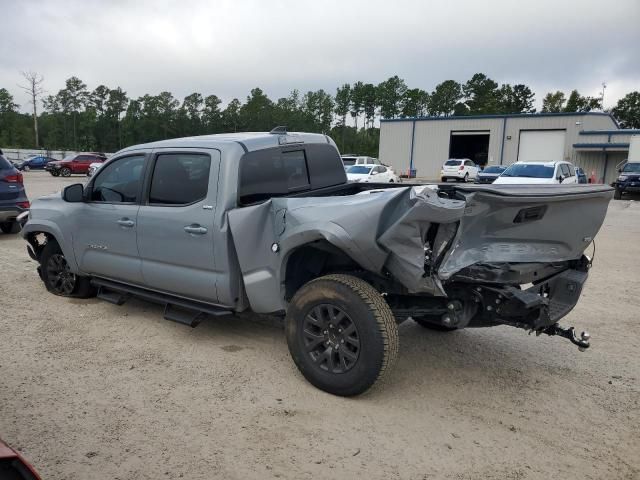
[
  {"x": 560, "y": 178},
  {"x": 619, "y": 170},
  {"x": 73, "y": 193}
]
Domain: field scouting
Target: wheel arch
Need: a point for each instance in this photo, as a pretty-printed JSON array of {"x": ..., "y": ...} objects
[
  {"x": 32, "y": 231},
  {"x": 311, "y": 260}
]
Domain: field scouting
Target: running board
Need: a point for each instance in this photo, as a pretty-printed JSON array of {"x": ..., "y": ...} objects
[{"x": 176, "y": 309}]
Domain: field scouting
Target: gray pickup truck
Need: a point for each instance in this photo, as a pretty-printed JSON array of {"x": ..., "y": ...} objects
[{"x": 267, "y": 223}]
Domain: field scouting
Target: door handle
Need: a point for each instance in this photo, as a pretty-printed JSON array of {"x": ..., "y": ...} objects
[
  {"x": 195, "y": 229},
  {"x": 125, "y": 222}
]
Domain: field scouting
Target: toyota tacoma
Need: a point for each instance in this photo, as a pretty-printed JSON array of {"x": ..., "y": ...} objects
[{"x": 267, "y": 223}]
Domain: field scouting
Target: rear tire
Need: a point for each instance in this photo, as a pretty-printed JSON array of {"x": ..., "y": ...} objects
[
  {"x": 341, "y": 334},
  {"x": 466, "y": 177},
  {"x": 10, "y": 227},
  {"x": 617, "y": 194},
  {"x": 65, "y": 172},
  {"x": 425, "y": 323},
  {"x": 444, "y": 179},
  {"x": 57, "y": 277}
]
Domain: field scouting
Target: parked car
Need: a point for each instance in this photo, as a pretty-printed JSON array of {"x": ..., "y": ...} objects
[
  {"x": 350, "y": 160},
  {"x": 628, "y": 180},
  {"x": 13, "y": 466},
  {"x": 74, "y": 164},
  {"x": 524, "y": 173},
  {"x": 459, "y": 169},
  {"x": 582, "y": 177},
  {"x": 35, "y": 162},
  {"x": 269, "y": 223},
  {"x": 371, "y": 173},
  {"x": 93, "y": 168},
  {"x": 490, "y": 173},
  {"x": 13, "y": 198}
]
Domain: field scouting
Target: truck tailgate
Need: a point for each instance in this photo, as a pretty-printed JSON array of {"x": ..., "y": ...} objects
[{"x": 525, "y": 223}]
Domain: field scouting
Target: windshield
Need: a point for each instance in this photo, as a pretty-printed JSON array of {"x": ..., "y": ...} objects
[
  {"x": 451, "y": 163},
  {"x": 631, "y": 167},
  {"x": 493, "y": 170},
  {"x": 529, "y": 170},
  {"x": 359, "y": 169}
]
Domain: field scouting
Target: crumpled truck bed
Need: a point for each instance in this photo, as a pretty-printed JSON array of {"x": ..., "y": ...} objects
[{"x": 393, "y": 229}]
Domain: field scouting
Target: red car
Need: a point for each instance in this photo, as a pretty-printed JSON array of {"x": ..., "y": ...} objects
[
  {"x": 76, "y": 163},
  {"x": 13, "y": 466}
]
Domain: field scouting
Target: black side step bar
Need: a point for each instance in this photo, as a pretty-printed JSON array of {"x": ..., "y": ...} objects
[{"x": 176, "y": 309}]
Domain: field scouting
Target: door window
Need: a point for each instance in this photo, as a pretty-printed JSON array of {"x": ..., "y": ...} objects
[
  {"x": 180, "y": 179},
  {"x": 564, "y": 168},
  {"x": 119, "y": 182}
]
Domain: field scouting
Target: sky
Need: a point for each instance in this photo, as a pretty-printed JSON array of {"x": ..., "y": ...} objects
[{"x": 227, "y": 48}]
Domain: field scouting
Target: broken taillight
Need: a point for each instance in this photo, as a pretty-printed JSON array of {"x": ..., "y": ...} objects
[
  {"x": 23, "y": 204},
  {"x": 461, "y": 167}
]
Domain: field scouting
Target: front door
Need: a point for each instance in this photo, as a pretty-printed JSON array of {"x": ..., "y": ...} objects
[
  {"x": 105, "y": 236},
  {"x": 175, "y": 224}
]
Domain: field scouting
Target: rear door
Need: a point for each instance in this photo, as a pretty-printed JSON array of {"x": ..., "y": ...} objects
[
  {"x": 176, "y": 221},
  {"x": 104, "y": 239}
]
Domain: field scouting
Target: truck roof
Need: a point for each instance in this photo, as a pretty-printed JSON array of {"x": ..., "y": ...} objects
[{"x": 250, "y": 141}]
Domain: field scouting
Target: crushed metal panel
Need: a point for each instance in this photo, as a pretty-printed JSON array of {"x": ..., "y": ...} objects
[
  {"x": 492, "y": 230},
  {"x": 406, "y": 236}
]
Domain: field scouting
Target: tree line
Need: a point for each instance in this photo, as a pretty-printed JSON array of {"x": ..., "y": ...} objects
[{"x": 106, "y": 119}]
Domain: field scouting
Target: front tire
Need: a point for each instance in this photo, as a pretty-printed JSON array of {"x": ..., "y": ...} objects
[
  {"x": 617, "y": 194},
  {"x": 54, "y": 173},
  {"x": 57, "y": 277},
  {"x": 65, "y": 172},
  {"x": 10, "y": 227},
  {"x": 337, "y": 312}
]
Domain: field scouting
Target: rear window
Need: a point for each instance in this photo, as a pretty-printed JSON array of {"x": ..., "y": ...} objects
[
  {"x": 5, "y": 164},
  {"x": 528, "y": 170},
  {"x": 348, "y": 161},
  {"x": 451, "y": 163},
  {"x": 359, "y": 169},
  {"x": 276, "y": 172}
]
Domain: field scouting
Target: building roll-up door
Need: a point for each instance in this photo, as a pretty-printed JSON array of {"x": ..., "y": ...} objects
[{"x": 541, "y": 146}]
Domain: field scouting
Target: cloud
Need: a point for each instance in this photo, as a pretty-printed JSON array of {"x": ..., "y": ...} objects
[{"x": 228, "y": 47}]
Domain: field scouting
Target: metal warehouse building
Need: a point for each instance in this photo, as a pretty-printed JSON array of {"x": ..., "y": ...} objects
[{"x": 590, "y": 140}]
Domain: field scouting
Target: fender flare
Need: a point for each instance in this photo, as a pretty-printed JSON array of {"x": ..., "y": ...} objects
[{"x": 50, "y": 228}]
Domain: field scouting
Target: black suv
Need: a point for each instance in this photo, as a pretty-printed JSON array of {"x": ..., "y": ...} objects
[{"x": 628, "y": 181}]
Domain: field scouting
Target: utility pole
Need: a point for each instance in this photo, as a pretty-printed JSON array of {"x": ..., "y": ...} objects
[
  {"x": 34, "y": 90},
  {"x": 604, "y": 86}
]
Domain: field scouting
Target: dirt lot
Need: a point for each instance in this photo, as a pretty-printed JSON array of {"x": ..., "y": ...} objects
[{"x": 92, "y": 390}]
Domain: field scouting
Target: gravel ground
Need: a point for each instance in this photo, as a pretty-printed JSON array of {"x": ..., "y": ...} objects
[{"x": 93, "y": 390}]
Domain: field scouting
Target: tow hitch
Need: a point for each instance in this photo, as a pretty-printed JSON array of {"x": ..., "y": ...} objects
[{"x": 569, "y": 333}]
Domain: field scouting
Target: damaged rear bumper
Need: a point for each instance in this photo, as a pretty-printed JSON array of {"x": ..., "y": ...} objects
[{"x": 534, "y": 308}]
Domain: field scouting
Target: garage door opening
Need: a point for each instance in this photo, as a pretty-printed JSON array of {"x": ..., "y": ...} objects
[{"x": 472, "y": 145}]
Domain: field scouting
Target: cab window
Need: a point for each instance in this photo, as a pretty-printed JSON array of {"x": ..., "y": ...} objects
[{"x": 119, "y": 181}]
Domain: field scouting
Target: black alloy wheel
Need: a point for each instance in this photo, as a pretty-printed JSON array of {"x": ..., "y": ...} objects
[
  {"x": 331, "y": 338},
  {"x": 60, "y": 279}
]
